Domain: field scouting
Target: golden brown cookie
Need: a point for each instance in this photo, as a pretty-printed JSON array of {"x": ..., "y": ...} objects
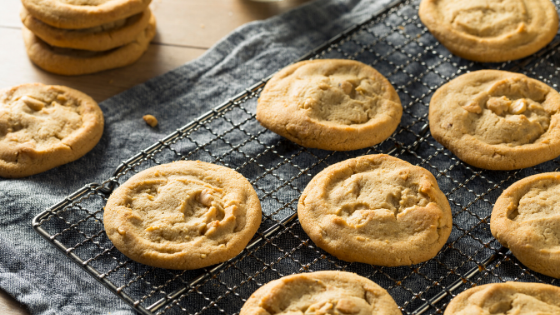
[
  {"x": 330, "y": 104},
  {"x": 490, "y": 30},
  {"x": 183, "y": 215},
  {"x": 322, "y": 292},
  {"x": 99, "y": 38},
  {"x": 44, "y": 126},
  {"x": 67, "y": 61},
  {"x": 76, "y": 14},
  {"x": 376, "y": 209},
  {"x": 497, "y": 120},
  {"x": 519, "y": 298},
  {"x": 526, "y": 219}
]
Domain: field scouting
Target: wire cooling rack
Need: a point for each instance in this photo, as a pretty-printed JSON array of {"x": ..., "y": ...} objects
[{"x": 394, "y": 42}]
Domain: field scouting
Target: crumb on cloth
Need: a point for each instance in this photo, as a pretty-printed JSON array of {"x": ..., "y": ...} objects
[{"x": 150, "y": 120}]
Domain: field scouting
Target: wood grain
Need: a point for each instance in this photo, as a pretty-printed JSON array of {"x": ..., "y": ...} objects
[
  {"x": 186, "y": 28},
  {"x": 17, "y": 69},
  {"x": 210, "y": 20},
  {"x": 8, "y": 306}
]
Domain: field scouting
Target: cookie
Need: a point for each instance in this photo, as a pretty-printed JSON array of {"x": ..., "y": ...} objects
[
  {"x": 489, "y": 30},
  {"x": 520, "y": 298},
  {"x": 376, "y": 209},
  {"x": 322, "y": 292},
  {"x": 77, "y": 14},
  {"x": 43, "y": 126},
  {"x": 183, "y": 215},
  {"x": 330, "y": 104},
  {"x": 99, "y": 38},
  {"x": 67, "y": 61},
  {"x": 497, "y": 120},
  {"x": 526, "y": 219}
]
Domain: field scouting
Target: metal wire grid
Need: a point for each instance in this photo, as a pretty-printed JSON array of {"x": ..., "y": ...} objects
[{"x": 397, "y": 45}]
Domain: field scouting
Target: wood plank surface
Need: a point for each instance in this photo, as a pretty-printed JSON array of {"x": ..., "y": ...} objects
[
  {"x": 17, "y": 69},
  {"x": 202, "y": 23},
  {"x": 8, "y": 306},
  {"x": 186, "y": 29}
]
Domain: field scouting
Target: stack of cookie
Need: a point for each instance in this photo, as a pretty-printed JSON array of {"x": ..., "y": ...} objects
[{"x": 73, "y": 37}]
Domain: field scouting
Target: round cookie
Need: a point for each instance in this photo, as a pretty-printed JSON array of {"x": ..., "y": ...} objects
[
  {"x": 489, "y": 30},
  {"x": 330, "y": 104},
  {"x": 322, "y": 292},
  {"x": 67, "y": 61},
  {"x": 183, "y": 215},
  {"x": 376, "y": 209},
  {"x": 526, "y": 219},
  {"x": 520, "y": 298},
  {"x": 76, "y": 14},
  {"x": 497, "y": 120},
  {"x": 43, "y": 126},
  {"x": 99, "y": 38}
]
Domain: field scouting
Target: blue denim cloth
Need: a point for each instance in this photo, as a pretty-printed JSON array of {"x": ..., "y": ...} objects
[{"x": 31, "y": 269}]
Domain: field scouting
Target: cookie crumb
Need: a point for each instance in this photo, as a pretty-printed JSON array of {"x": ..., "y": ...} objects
[{"x": 150, "y": 120}]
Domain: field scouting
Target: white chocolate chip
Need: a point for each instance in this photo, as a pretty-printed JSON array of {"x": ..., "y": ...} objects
[
  {"x": 205, "y": 198},
  {"x": 347, "y": 87},
  {"x": 202, "y": 256},
  {"x": 361, "y": 90},
  {"x": 472, "y": 107},
  {"x": 498, "y": 104},
  {"x": 535, "y": 106},
  {"x": 518, "y": 107},
  {"x": 33, "y": 103},
  {"x": 309, "y": 103},
  {"x": 61, "y": 98},
  {"x": 347, "y": 307},
  {"x": 121, "y": 230}
]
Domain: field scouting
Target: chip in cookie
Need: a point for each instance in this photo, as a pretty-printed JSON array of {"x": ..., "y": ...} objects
[
  {"x": 376, "y": 209},
  {"x": 526, "y": 219},
  {"x": 497, "y": 120},
  {"x": 330, "y": 104},
  {"x": 322, "y": 292},
  {"x": 183, "y": 215},
  {"x": 43, "y": 126},
  {"x": 489, "y": 30}
]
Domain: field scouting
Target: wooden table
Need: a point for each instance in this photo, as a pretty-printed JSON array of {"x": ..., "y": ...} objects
[{"x": 186, "y": 29}]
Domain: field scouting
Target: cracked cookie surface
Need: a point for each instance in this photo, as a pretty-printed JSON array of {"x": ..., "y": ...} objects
[
  {"x": 376, "y": 209},
  {"x": 519, "y": 298},
  {"x": 183, "y": 215},
  {"x": 526, "y": 219},
  {"x": 321, "y": 293},
  {"x": 79, "y": 14},
  {"x": 497, "y": 120},
  {"x": 488, "y": 30},
  {"x": 330, "y": 104},
  {"x": 42, "y": 127}
]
